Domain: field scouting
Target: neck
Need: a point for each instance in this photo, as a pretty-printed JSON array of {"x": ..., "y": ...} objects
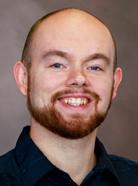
[{"x": 76, "y": 157}]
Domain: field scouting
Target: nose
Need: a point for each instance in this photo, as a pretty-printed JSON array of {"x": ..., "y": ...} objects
[{"x": 77, "y": 78}]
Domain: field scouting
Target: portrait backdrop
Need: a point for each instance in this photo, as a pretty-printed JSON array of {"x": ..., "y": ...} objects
[{"x": 120, "y": 129}]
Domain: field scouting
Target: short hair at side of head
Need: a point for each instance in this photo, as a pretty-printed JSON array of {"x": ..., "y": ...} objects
[{"x": 26, "y": 54}]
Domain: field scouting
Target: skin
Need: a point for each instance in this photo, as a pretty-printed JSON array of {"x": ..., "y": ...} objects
[{"x": 78, "y": 38}]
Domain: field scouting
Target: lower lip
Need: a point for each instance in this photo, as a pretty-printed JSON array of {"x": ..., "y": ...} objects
[{"x": 73, "y": 107}]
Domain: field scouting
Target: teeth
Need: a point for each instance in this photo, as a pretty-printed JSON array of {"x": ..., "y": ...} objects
[{"x": 76, "y": 101}]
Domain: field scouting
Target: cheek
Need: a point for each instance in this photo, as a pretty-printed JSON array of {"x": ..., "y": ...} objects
[
  {"x": 46, "y": 84},
  {"x": 104, "y": 88},
  {"x": 105, "y": 93}
]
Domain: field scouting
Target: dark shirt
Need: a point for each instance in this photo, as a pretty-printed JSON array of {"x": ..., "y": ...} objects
[{"x": 26, "y": 165}]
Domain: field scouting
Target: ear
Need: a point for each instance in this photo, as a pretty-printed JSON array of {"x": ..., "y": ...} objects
[
  {"x": 21, "y": 77},
  {"x": 117, "y": 80}
]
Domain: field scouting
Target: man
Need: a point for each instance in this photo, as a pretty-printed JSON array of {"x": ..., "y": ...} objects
[{"x": 69, "y": 74}]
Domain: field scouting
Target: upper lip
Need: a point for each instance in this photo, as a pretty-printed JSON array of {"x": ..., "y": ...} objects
[{"x": 76, "y": 95}]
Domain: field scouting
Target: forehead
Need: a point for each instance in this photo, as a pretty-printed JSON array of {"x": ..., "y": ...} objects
[{"x": 73, "y": 31}]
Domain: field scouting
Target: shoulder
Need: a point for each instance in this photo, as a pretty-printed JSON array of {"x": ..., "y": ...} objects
[
  {"x": 123, "y": 164},
  {"x": 8, "y": 169},
  {"x": 6, "y": 161},
  {"x": 127, "y": 170}
]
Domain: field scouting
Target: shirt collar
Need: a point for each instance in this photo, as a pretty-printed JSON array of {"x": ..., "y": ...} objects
[
  {"x": 31, "y": 161},
  {"x": 104, "y": 164}
]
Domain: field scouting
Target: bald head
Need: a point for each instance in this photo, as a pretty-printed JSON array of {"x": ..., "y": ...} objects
[{"x": 75, "y": 24}]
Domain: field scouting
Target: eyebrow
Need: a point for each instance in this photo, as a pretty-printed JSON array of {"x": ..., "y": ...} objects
[
  {"x": 56, "y": 53},
  {"x": 98, "y": 56},
  {"x": 66, "y": 55}
]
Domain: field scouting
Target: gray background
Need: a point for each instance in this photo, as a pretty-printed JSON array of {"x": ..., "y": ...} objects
[{"x": 119, "y": 131}]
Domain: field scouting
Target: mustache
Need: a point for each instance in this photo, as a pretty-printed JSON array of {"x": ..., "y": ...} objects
[{"x": 73, "y": 91}]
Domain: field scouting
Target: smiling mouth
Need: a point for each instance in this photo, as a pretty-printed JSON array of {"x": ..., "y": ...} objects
[{"x": 75, "y": 101}]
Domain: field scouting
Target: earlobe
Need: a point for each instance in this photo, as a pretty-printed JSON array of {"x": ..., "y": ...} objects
[
  {"x": 117, "y": 80},
  {"x": 21, "y": 77}
]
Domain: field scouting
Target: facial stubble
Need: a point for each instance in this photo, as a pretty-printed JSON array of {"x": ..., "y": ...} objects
[{"x": 76, "y": 126}]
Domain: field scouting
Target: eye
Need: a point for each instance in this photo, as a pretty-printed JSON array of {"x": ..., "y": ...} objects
[
  {"x": 57, "y": 65},
  {"x": 95, "y": 68}
]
